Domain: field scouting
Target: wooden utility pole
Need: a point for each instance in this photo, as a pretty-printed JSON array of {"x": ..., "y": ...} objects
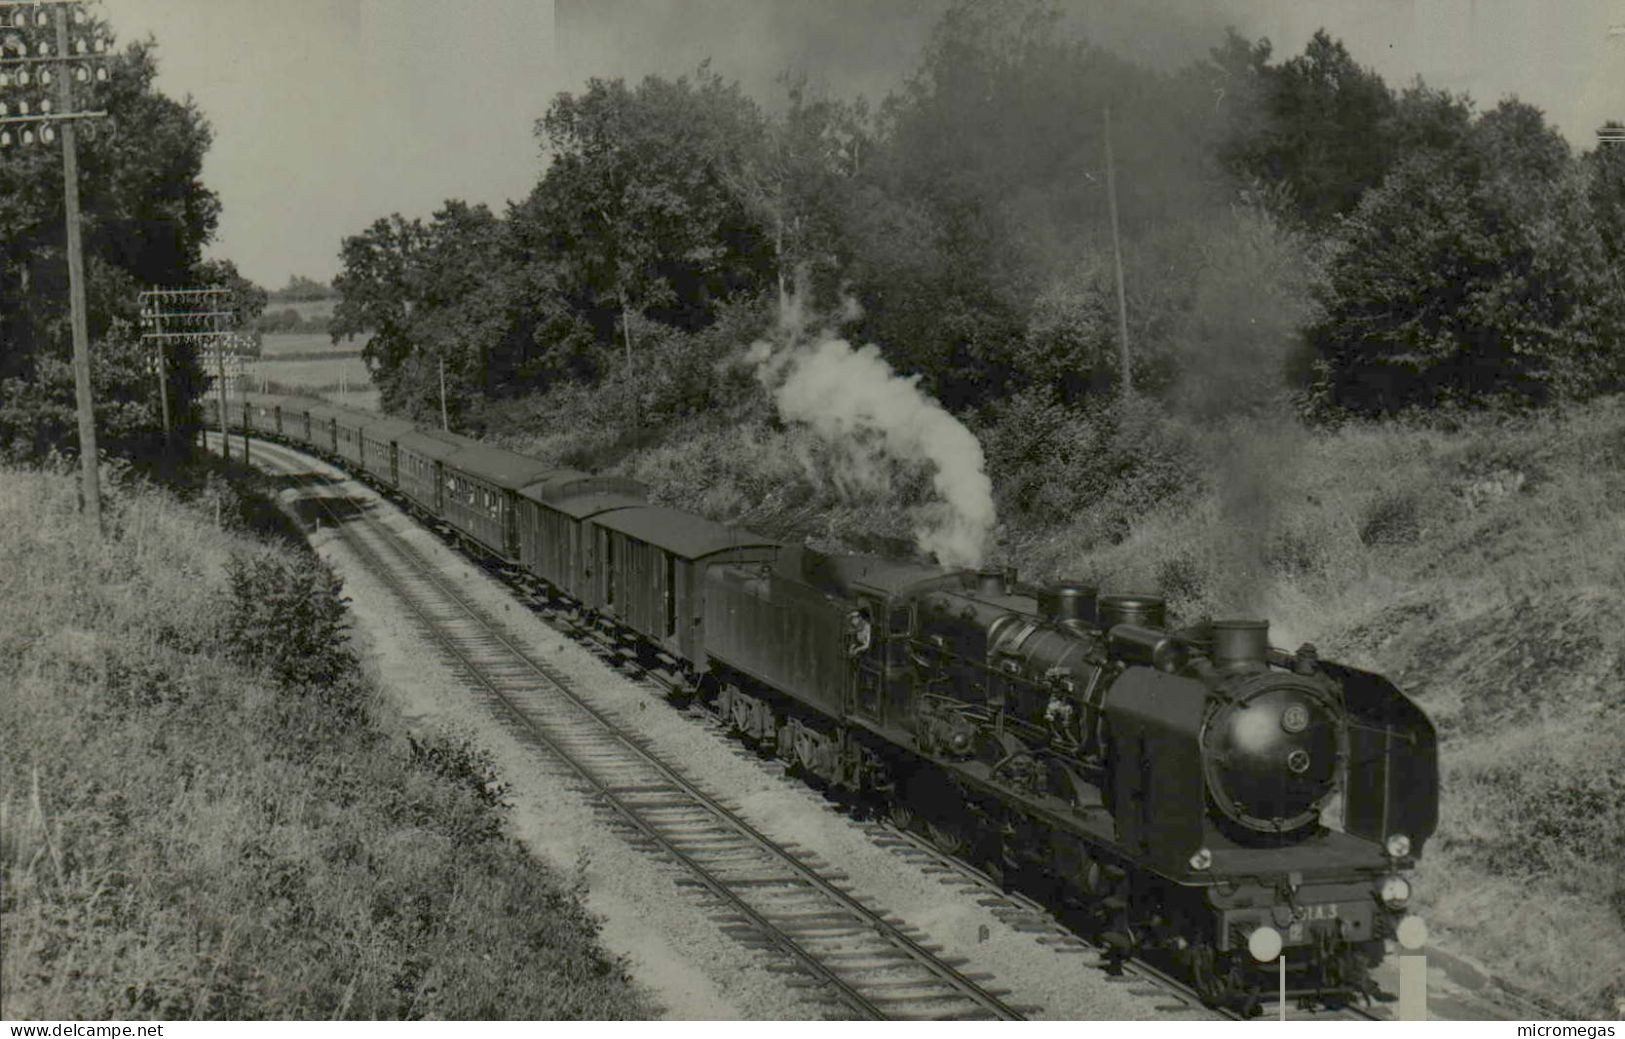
[
  {"x": 89, "y": 465},
  {"x": 1117, "y": 255},
  {"x": 62, "y": 60},
  {"x": 633, "y": 405},
  {"x": 200, "y": 316},
  {"x": 163, "y": 394},
  {"x": 220, "y": 380},
  {"x": 445, "y": 423},
  {"x": 246, "y": 423}
]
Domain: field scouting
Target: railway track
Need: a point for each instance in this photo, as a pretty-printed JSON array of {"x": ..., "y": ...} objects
[
  {"x": 1013, "y": 908},
  {"x": 854, "y": 958}
]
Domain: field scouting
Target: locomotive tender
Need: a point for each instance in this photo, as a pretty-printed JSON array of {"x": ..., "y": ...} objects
[{"x": 1190, "y": 793}]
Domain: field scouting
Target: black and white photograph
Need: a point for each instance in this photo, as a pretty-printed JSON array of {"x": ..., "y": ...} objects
[{"x": 658, "y": 511}]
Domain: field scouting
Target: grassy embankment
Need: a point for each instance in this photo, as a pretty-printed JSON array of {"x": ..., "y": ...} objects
[
  {"x": 1482, "y": 567},
  {"x": 208, "y": 812}
]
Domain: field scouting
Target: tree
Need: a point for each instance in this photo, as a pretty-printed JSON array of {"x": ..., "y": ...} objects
[
  {"x": 301, "y": 289},
  {"x": 427, "y": 294},
  {"x": 636, "y": 213},
  {"x": 146, "y": 217},
  {"x": 1474, "y": 274},
  {"x": 798, "y": 181},
  {"x": 985, "y": 195},
  {"x": 1325, "y": 129}
]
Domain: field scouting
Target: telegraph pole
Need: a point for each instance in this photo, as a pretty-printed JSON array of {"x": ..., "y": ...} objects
[
  {"x": 204, "y": 316},
  {"x": 1117, "y": 254},
  {"x": 240, "y": 340},
  {"x": 53, "y": 59},
  {"x": 444, "y": 422}
]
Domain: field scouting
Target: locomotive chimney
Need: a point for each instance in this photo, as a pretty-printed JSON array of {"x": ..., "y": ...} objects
[
  {"x": 990, "y": 581},
  {"x": 1240, "y": 645},
  {"x": 1146, "y": 611},
  {"x": 1070, "y": 604}
]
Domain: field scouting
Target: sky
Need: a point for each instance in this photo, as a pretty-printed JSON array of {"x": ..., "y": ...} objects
[{"x": 329, "y": 114}]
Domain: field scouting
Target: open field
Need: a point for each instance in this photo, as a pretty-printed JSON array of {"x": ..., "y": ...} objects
[
  {"x": 300, "y": 344},
  {"x": 341, "y": 376},
  {"x": 313, "y": 308}
]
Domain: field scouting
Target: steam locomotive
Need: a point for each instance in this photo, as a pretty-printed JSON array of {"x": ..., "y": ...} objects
[{"x": 1187, "y": 793}]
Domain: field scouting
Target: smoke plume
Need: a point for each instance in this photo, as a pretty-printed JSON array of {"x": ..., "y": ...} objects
[{"x": 853, "y": 400}]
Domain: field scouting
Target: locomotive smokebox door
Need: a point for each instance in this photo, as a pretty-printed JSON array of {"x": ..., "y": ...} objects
[{"x": 1158, "y": 794}]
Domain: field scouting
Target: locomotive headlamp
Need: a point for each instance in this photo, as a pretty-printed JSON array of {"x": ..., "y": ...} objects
[
  {"x": 1264, "y": 943},
  {"x": 1202, "y": 859},
  {"x": 1399, "y": 845},
  {"x": 1396, "y": 891}
]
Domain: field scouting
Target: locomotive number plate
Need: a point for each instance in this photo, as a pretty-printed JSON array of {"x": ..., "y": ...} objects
[{"x": 1324, "y": 911}]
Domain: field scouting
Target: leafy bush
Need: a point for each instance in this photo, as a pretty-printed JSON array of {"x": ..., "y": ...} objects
[{"x": 287, "y": 619}]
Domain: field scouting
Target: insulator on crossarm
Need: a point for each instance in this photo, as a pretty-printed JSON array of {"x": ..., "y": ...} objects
[
  {"x": 102, "y": 74},
  {"x": 28, "y": 136},
  {"x": 47, "y": 134},
  {"x": 45, "y": 77},
  {"x": 5, "y": 138}
]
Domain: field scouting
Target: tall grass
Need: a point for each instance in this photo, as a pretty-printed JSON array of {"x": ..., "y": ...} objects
[{"x": 207, "y": 813}]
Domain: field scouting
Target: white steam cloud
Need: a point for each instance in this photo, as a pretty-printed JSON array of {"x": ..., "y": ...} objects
[{"x": 853, "y": 400}]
